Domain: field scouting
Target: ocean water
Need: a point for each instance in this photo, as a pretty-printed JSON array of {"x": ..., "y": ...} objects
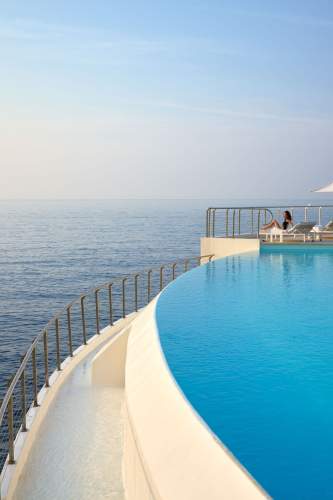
[
  {"x": 249, "y": 340},
  {"x": 52, "y": 251}
]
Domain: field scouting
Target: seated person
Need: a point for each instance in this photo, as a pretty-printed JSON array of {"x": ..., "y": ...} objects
[{"x": 286, "y": 224}]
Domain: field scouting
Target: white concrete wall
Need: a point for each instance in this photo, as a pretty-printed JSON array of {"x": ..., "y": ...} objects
[
  {"x": 222, "y": 247},
  {"x": 170, "y": 454},
  {"x": 108, "y": 366},
  {"x": 136, "y": 484}
]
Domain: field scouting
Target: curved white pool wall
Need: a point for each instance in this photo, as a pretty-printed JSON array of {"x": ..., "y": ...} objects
[{"x": 169, "y": 453}]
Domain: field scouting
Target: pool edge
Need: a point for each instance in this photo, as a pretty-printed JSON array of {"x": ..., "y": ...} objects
[{"x": 170, "y": 452}]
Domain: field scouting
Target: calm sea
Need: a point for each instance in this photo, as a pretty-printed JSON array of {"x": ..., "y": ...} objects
[{"x": 50, "y": 251}]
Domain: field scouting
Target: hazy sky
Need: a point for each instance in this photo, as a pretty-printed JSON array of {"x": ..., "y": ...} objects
[{"x": 172, "y": 98}]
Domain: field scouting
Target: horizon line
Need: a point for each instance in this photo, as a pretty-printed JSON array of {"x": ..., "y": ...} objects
[{"x": 163, "y": 198}]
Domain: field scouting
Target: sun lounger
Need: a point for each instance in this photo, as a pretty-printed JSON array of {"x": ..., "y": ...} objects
[
  {"x": 301, "y": 230},
  {"x": 325, "y": 232},
  {"x": 328, "y": 226}
]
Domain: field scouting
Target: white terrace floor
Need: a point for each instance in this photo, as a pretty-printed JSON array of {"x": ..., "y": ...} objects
[{"x": 79, "y": 450}]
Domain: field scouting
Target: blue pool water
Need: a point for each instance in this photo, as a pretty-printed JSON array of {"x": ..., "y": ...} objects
[{"x": 249, "y": 339}]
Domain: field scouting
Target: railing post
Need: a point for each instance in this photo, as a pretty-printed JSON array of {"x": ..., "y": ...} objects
[
  {"x": 233, "y": 223},
  {"x": 239, "y": 222},
  {"x": 46, "y": 359},
  {"x": 23, "y": 400},
  {"x": 10, "y": 422},
  {"x": 34, "y": 376},
  {"x": 207, "y": 222},
  {"x": 124, "y": 297},
  {"x": 69, "y": 329},
  {"x": 214, "y": 222},
  {"x": 227, "y": 222},
  {"x": 174, "y": 270},
  {"x": 57, "y": 326},
  {"x": 319, "y": 216},
  {"x": 110, "y": 304},
  {"x": 136, "y": 277},
  {"x": 161, "y": 277},
  {"x": 149, "y": 284},
  {"x": 83, "y": 320},
  {"x": 97, "y": 311},
  {"x": 252, "y": 222},
  {"x": 185, "y": 265},
  {"x": 258, "y": 222}
]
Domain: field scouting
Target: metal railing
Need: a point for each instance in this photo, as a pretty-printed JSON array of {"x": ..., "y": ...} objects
[
  {"x": 70, "y": 328},
  {"x": 232, "y": 222}
]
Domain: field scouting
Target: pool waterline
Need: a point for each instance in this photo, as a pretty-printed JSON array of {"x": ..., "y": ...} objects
[{"x": 250, "y": 345}]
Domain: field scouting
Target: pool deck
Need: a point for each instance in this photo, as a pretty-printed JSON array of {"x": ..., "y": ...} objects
[
  {"x": 78, "y": 454},
  {"x": 310, "y": 243},
  {"x": 223, "y": 247}
]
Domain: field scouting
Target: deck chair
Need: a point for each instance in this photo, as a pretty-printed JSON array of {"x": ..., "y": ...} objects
[
  {"x": 300, "y": 230},
  {"x": 328, "y": 227},
  {"x": 324, "y": 232}
]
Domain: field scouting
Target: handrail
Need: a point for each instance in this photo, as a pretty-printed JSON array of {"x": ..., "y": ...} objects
[
  {"x": 19, "y": 379},
  {"x": 236, "y": 226},
  {"x": 249, "y": 219}
]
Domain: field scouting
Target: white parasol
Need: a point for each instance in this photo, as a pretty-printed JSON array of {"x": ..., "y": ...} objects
[{"x": 326, "y": 189}]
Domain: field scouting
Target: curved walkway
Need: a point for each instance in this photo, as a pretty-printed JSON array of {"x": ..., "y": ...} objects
[{"x": 78, "y": 452}]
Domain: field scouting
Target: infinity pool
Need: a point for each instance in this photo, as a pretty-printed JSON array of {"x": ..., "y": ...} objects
[{"x": 249, "y": 340}]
